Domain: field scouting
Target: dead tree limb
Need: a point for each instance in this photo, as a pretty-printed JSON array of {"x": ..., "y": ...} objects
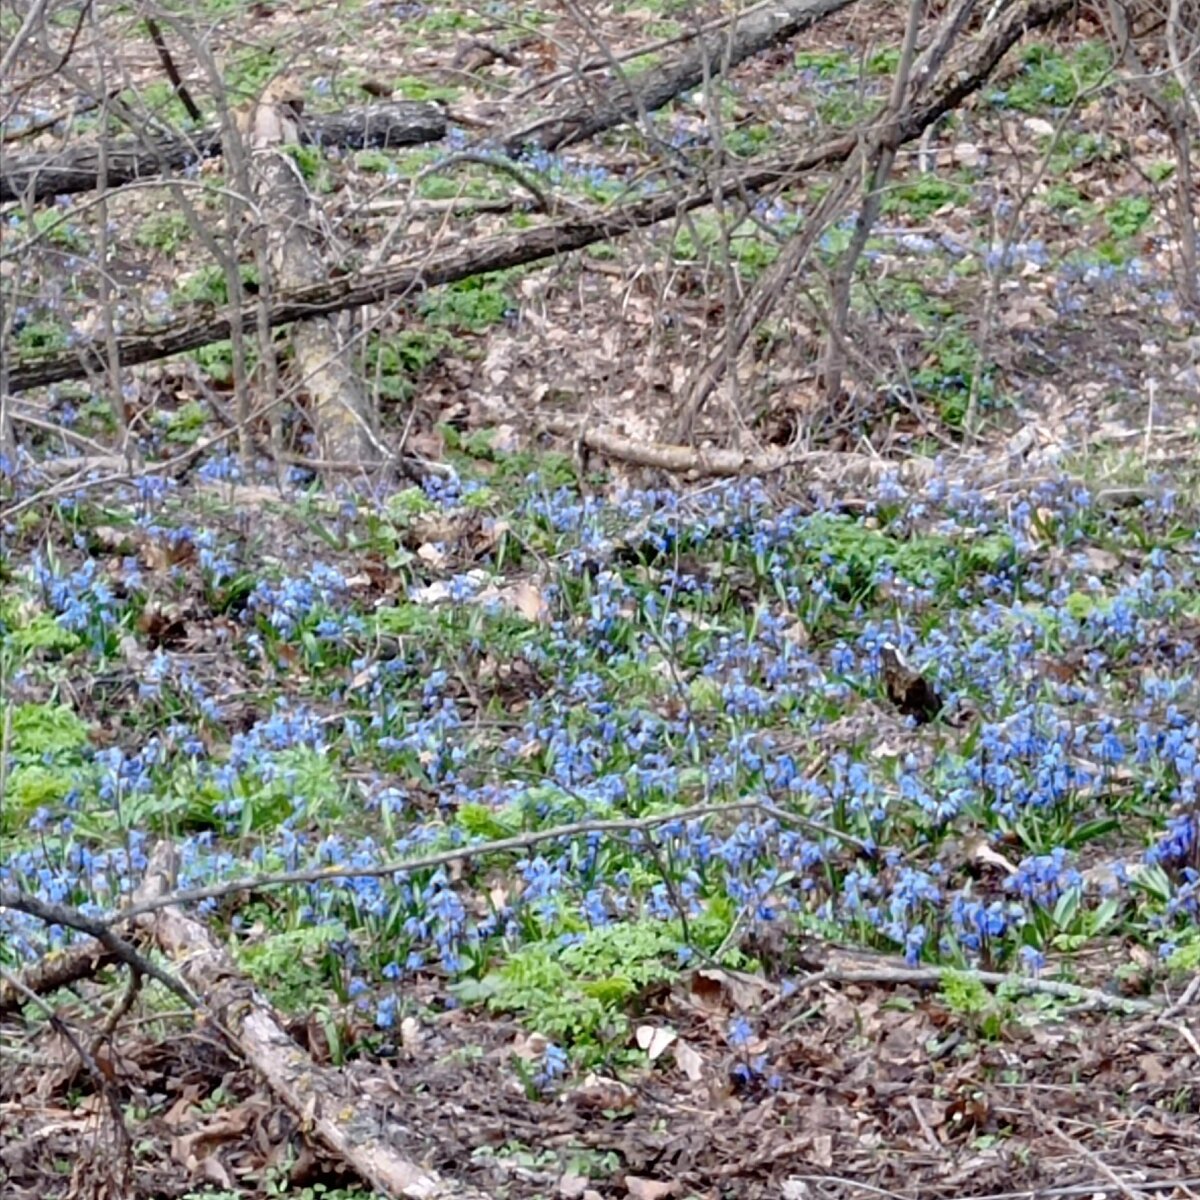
[
  {"x": 296, "y": 253},
  {"x": 70, "y": 918},
  {"x": 77, "y": 962},
  {"x": 651, "y": 90},
  {"x": 201, "y": 328},
  {"x": 40, "y": 176},
  {"x": 328, "y": 1103},
  {"x": 168, "y": 65},
  {"x": 716, "y": 463},
  {"x": 252, "y": 885}
]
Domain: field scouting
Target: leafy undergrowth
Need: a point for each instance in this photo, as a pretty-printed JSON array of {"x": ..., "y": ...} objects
[{"x": 503, "y": 655}]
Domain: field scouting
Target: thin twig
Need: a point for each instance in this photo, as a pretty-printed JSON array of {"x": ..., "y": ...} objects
[
  {"x": 168, "y": 65},
  {"x": 878, "y": 160},
  {"x": 929, "y": 976},
  {"x": 405, "y": 866},
  {"x": 99, "y": 1080},
  {"x": 1078, "y": 1148}
]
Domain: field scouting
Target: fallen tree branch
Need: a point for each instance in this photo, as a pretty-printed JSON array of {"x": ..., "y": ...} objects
[
  {"x": 523, "y": 841},
  {"x": 605, "y": 62},
  {"x": 650, "y": 90},
  {"x": 72, "y": 918},
  {"x": 926, "y": 976},
  {"x": 78, "y": 962},
  {"x": 325, "y": 1101},
  {"x": 328, "y": 1103},
  {"x": 168, "y": 65},
  {"x": 40, "y": 176},
  {"x": 81, "y": 961},
  {"x": 710, "y": 463},
  {"x": 197, "y": 329}
]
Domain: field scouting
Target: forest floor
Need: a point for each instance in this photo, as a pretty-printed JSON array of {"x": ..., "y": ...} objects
[{"x": 792, "y": 995}]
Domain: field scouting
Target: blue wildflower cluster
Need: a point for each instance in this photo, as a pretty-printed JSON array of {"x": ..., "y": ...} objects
[{"x": 709, "y": 649}]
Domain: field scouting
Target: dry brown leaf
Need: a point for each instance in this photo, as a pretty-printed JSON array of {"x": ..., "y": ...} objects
[
  {"x": 530, "y": 1046},
  {"x": 641, "y": 1188},
  {"x": 689, "y": 1061},
  {"x": 528, "y": 600},
  {"x": 600, "y": 1094},
  {"x": 572, "y": 1186}
]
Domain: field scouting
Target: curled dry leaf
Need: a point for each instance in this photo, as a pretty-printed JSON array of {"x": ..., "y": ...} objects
[
  {"x": 527, "y": 599},
  {"x": 531, "y": 1046},
  {"x": 979, "y": 852},
  {"x": 432, "y": 554},
  {"x": 600, "y": 1094},
  {"x": 718, "y": 990},
  {"x": 572, "y": 1186},
  {"x": 907, "y": 689}
]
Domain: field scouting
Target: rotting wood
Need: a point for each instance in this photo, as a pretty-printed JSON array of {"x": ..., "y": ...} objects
[
  {"x": 69, "y": 172},
  {"x": 329, "y": 1104},
  {"x": 195, "y": 329},
  {"x": 719, "y": 463},
  {"x": 297, "y": 250}
]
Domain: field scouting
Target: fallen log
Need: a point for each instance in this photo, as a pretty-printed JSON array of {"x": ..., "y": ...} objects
[
  {"x": 203, "y": 327},
  {"x": 329, "y": 1104},
  {"x": 69, "y": 172},
  {"x": 297, "y": 253},
  {"x": 650, "y": 90}
]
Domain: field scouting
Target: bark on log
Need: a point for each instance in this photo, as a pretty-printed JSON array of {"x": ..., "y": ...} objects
[
  {"x": 716, "y": 463},
  {"x": 296, "y": 251},
  {"x": 653, "y": 89},
  {"x": 963, "y": 77},
  {"x": 40, "y": 176},
  {"x": 328, "y": 1103}
]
